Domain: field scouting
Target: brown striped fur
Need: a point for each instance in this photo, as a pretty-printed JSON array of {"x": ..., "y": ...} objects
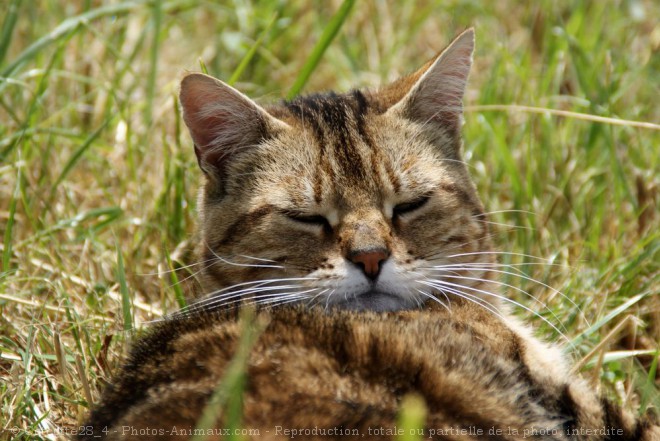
[
  {"x": 358, "y": 209},
  {"x": 350, "y": 159},
  {"x": 350, "y": 370}
]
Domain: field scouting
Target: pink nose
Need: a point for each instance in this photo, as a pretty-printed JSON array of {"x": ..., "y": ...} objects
[{"x": 370, "y": 261}]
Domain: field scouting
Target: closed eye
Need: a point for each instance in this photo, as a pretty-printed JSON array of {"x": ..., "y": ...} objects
[
  {"x": 310, "y": 219},
  {"x": 409, "y": 207}
]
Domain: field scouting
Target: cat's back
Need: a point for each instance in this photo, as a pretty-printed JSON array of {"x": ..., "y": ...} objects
[{"x": 324, "y": 375}]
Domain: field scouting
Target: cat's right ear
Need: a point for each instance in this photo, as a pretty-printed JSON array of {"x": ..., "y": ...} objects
[
  {"x": 435, "y": 98},
  {"x": 222, "y": 121}
]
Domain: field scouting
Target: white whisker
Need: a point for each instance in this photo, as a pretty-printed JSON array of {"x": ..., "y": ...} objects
[
  {"x": 193, "y": 274},
  {"x": 159, "y": 273},
  {"x": 327, "y": 300},
  {"x": 499, "y": 224},
  {"x": 498, "y": 265},
  {"x": 443, "y": 252},
  {"x": 470, "y": 297},
  {"x": 506, "y": 299},
  {"x": 260, "y": 299},
  {"x": 230, "y": 292},
  {"x": 497, "y": 282},
  {"x": 312, "y": 299},
  {"x": 226, "y": 260},
  {"x": 519, "y": 275},
  {"x": 270, "y": 299},
  {"x": 243, "y": 293},
  {"x": 506, "y": 211},
  {"x": 496, "y": 253},
  {"x": 262, "y": 282},
  {"x": 435, "y": 299},
  {"x": 257, "y": 258}
]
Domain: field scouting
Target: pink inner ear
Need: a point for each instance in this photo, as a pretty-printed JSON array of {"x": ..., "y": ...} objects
[
  {"x": 205, "y": 132},
  {"x": 198, "y": 94},
  {"x": 438, "y": 95},
  {"x": 220, "y": 119},
  {"x": 202, "y": 130}
]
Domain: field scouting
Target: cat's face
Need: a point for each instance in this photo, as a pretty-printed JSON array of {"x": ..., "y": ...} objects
[{"x": 355, "y": 201}]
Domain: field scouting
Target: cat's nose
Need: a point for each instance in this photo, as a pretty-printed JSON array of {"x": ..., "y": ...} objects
[{"x": 370, "y": 261}]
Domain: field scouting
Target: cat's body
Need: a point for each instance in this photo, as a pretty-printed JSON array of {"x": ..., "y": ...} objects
[
  {"x": 359, "y": 210},
  {"x": 345, "y": 373}
]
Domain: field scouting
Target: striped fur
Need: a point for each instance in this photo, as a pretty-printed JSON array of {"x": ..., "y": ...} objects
[
  {"x": 358, "y": 209},
  {"x": 351, "y": 160},
  {"x": 350, "y": 370}
]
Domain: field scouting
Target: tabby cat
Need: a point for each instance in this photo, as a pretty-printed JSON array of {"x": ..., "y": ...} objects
[{"x": 351, "y": 222}]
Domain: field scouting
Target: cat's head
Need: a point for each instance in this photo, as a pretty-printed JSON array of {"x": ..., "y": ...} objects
[{"x": 357, "y": 200}]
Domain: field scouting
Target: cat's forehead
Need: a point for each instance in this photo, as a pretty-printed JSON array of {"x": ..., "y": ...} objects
[{"x": 341, "y": 150}]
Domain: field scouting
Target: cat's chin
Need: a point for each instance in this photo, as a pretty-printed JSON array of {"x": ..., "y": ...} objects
[{"x": 376, "y": 301}]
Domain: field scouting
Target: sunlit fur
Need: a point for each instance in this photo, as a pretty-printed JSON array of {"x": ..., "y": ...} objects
[
  {"x": 352, "y": 159},
  {"x": 346, "y": 370},
  {"x": 293, "y": 195}
]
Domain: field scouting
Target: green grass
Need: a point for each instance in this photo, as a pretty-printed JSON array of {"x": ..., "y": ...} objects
[{"x": 98, "y": 177}]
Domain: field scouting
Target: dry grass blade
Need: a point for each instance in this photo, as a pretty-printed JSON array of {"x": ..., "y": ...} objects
[
  {"x": 80, "y": 368},
  {"x": 564, "y": 113},
  {"x": 607, "y": 340},
  {"x": 97, "y": 167}
]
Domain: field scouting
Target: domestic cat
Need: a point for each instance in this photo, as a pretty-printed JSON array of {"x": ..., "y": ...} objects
[{"x": 351, "y": 223}]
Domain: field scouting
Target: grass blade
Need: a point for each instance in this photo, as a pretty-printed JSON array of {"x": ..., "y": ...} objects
[
  {"x": 103, "y": 216},
  {"x": 412, "y": 418},
  {"x": 41, "y": 90},
  {"x": 202, "y": 67},
  {"x": 176, "y": 285},
  {"x": 71, "y": 23},
  {"x": 227, "y": 396},
  {"x": 155, "y": 46},
  {"x": 178, "y": 217},
  {"x": 596, "y": 326},
  {"x": 8, "y": 28},
  {"x": 612, "y": 356},
  {"x": 648, "y": 389},
  {"x": 64, "y": 28},
  {"x": 78, "y": 154},
  {"x": 250, "y": 54},
  {"x": 328, "y": 35},
  {"x": 562, "y": 113},
  {"x": 126, "y": 304},
  {"x": 6, "y": 252}
]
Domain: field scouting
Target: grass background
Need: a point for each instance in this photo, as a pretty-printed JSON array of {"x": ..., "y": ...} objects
[{"x": 98, "y": 176}]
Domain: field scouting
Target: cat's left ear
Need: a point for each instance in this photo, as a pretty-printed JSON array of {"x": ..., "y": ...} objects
[
  {"x": 437, "y": 95},
  {"x": 222, "y": 122}
]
